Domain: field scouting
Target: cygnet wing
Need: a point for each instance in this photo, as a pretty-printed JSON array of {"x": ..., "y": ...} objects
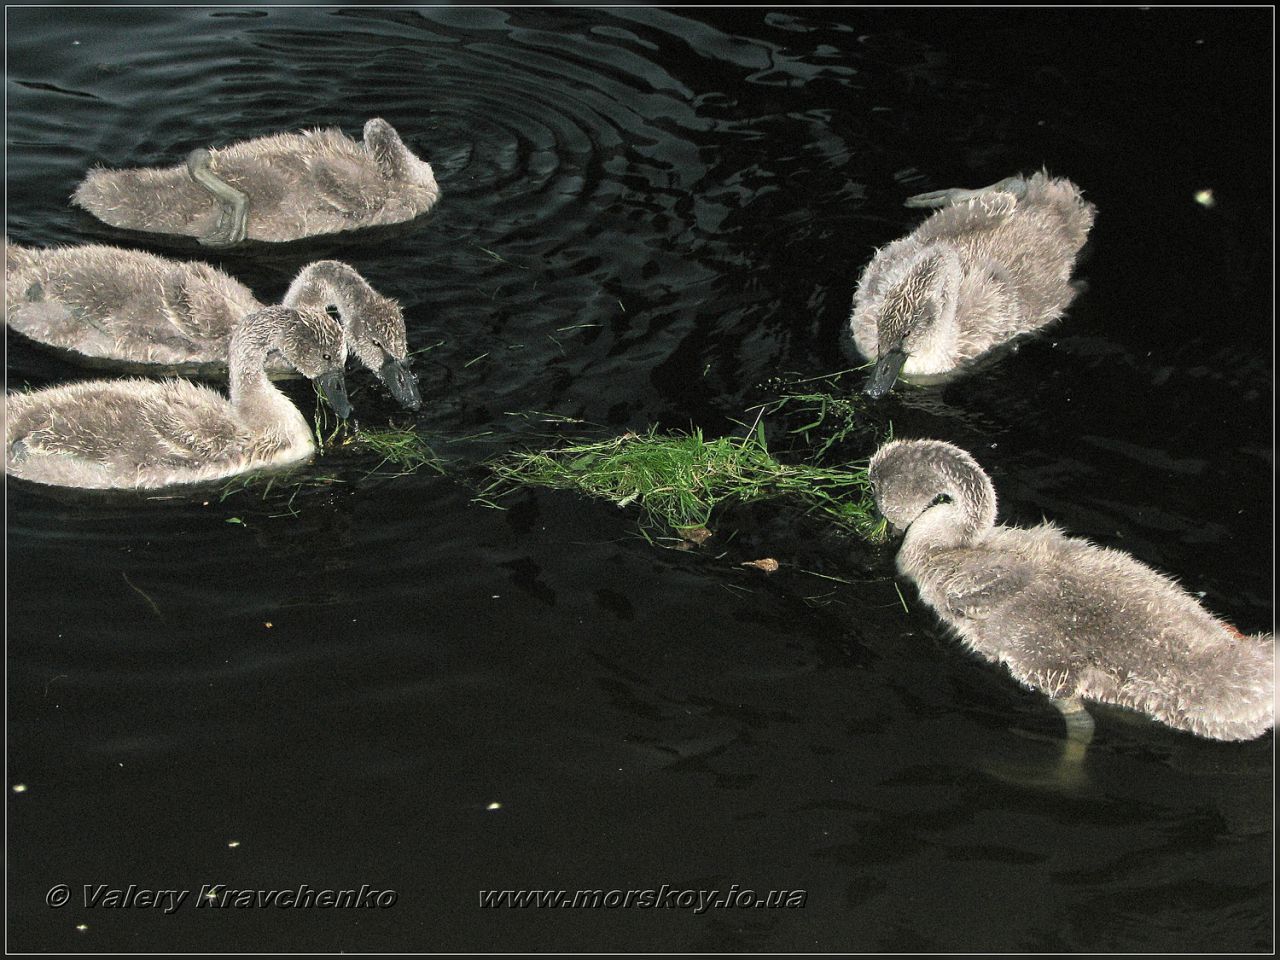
[{"x": 979, "y": 583}]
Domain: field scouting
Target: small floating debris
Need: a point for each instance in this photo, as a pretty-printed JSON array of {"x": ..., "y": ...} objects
[
  {"x": 1206, "y": 198},
  {"x": 767, "y": 564},
  {"x": 694, "y": 537},
  {"x": 151, "y": 603}
]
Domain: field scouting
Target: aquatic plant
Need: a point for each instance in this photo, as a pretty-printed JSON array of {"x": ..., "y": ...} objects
[
  {"x": 831, "y": 412},
  {"x": 324, "y": 419},
  {"x": 399, "y": 446},
  {"x": 278, "y": 488},
  {"x": 678, "y": 479}
]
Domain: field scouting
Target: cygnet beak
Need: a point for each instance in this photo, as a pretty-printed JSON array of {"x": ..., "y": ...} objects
[
  {"x": 334, "y": 388},
  {"x": 885, "y": 373},
  {"x": 401, "y": 382}
]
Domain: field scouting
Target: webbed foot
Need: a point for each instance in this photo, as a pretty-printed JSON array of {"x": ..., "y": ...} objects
[
  {"x": 1067, "y": 773},
  {"x": 1016, "y": 186},
  {"x": 233, "y": 204}
]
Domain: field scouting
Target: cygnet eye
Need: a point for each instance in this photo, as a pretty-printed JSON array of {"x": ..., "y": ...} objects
[{"x": 327, "y": 356}]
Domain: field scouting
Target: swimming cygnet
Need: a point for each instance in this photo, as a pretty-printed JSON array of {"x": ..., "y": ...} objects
[
  {"x": 153, "y": 433},
  {"x": 108, "y": 303},
  {"x": 990, "y": 264},
  {"x": 1068, "y": 618},
  {"x": 281, "y": 187}
]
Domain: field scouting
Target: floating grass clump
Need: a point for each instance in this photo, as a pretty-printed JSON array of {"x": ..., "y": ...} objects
[
  {"x": 279, "y": 488},
  {"x": 831, "y": 412},
  {"x": 834, "y": 418},
  {"x": 403, "y": 449},
  {"x": 678, "y": 479}
]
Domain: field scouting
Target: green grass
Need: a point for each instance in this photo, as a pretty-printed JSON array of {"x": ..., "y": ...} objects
[
  {"x": 831, "y": 412},
  {"x": 677, "y": 479},
  {"x": 279, "y": 488},
  {"x": 325, "y": 424},
  {"x": 403, "y": 449}
]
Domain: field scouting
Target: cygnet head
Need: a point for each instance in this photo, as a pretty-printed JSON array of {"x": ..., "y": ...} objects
[
  {"x": 376, "y": 335},
  {"x": 313, "y": 342},
  {"x": 911, "y": 477},
  {"x": 915, "y": 312}
]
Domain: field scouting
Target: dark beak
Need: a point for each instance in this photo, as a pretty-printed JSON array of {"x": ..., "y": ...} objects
[
  {"x": 884, "y": 374},
  {"x": 334, "y": 388},
  {"x": 401, "y": 382}
]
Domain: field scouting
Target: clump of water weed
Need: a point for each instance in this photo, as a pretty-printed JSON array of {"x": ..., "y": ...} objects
[
  {"x": 400, "y": 451},
  {"x": 325, "y": 424},
  {"x": 280, "y": 488},
  {"x": 678, "y": 479},
  {"x": 402, "y": 448},
  {"x": 829, "y": 410}
]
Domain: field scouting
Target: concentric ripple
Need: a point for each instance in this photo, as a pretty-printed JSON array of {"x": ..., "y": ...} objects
[{"x": 599, "y": 195}]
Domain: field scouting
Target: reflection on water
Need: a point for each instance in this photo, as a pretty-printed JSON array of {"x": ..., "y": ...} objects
[{"x": 647, "y": 215}]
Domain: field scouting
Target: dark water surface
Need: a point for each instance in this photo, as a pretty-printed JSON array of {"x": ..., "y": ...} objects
[{"x": 344, "y": 694}]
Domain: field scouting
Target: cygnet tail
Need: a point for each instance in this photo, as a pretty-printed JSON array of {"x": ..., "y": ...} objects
[
  {"x": 139, "y": 199},
  {"x": 1066, "y": 200},
  {"x": 17, "y": 257},
  {"x": 1236, "y": 699},
  {"x": 17, "y": 261}
]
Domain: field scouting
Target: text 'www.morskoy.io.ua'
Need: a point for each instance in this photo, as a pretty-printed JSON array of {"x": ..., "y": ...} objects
[{"x": 665, "y": 897}]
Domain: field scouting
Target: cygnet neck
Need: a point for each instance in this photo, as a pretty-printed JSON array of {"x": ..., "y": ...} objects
[
  {"x": 963, "y": 521},
  {"x": 331, "y": 283},
  {"x": 252, "y": 393}
]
